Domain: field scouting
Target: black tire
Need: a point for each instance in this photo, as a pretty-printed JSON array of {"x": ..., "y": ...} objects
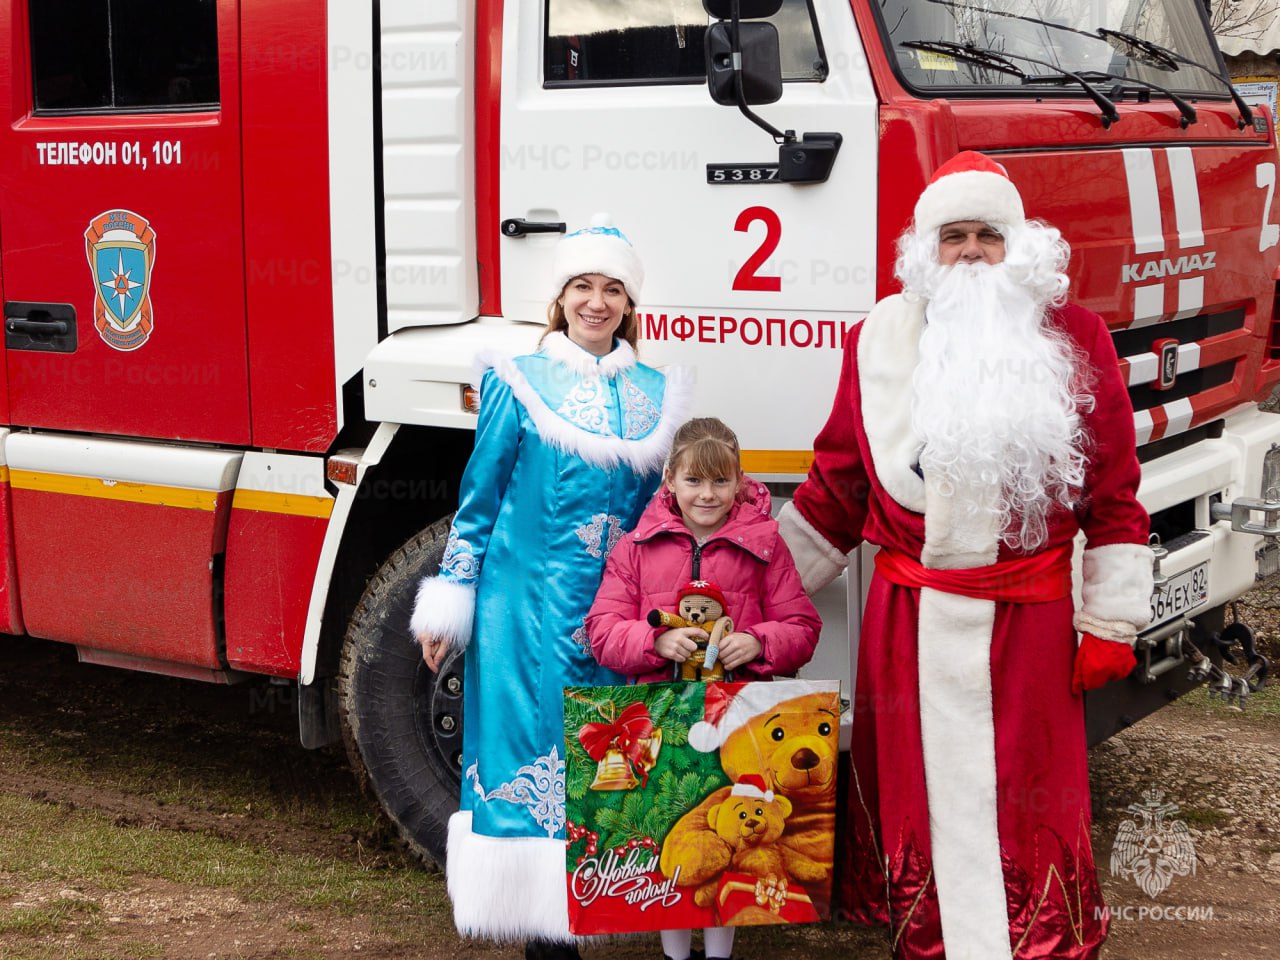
[{"x": 402, "y": 724}]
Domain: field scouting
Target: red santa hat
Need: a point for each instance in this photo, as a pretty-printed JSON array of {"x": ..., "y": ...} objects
[
  {"x": 599, "y": 248},
  {"x": 703, "y": 588},
  {"x": 752, "y": 785},
  {"x": 969, "y": 186},
  {"x": 730, "y": 705}
]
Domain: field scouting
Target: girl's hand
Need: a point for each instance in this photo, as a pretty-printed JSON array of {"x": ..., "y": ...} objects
[
  {"x": 678, "y": 643},
  {"x": 433, "y": 650},
  {"x": 739, "y": 648}
]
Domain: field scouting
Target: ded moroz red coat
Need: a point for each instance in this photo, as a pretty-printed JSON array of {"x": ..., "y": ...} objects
[
  {"x": 969, "y": 800},
  {"x": 746, "y": 559}
]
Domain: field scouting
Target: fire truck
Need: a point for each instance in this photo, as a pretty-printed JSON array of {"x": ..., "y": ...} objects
[{"x": 249, "y": 252}]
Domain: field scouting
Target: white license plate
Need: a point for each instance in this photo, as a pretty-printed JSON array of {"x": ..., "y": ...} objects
[{"x": 1184, "y": 592}]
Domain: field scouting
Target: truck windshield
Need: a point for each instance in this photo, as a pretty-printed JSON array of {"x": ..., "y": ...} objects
[{"x": 1145, "y": 40}]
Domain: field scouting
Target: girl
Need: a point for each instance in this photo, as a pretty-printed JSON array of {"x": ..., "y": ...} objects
[
  {"x": 709, "y": 523},
  {"x": 568, "y": 447}
]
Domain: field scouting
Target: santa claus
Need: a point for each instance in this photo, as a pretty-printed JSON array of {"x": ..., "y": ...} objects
[{"x": 979, "y": 424}]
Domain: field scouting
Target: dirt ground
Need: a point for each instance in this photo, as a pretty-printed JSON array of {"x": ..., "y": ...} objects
[{"x": 65, "y": 727}]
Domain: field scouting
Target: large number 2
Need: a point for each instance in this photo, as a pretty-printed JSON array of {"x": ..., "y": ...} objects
[
  {"x": 748, "y": 278},
  {"x": 1270, "y": 235}
]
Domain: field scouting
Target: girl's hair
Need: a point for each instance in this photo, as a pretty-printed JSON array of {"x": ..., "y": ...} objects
[
  {"x": 705, "y": 447},
  {"x": 628, "y": 330}
]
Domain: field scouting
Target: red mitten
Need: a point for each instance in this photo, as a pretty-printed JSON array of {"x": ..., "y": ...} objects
[{"x": 1099, "y": 661}]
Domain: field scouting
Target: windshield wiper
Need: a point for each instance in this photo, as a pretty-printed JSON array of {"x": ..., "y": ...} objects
[
  {"x": 1003, "y": 62},
  {"x": 1187, "y": 110},
  {"x": 1153, "y": 54}
]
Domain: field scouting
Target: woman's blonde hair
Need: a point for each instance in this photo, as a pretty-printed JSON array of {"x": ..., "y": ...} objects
[
  {"x": 705, "y": 447},
  {"x": 557, "y": 322}
]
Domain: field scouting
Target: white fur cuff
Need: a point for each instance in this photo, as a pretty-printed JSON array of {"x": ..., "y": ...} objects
[
  {"x": 1117, "y": 583},
  {"x": 1121, "y": 631},
  {"x": 444, "y": 609},
  {"x": 508, "y": 889},
  {"x": 817, "y": 561}
]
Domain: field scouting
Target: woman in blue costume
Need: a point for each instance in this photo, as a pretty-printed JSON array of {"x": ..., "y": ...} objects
[{"x": 569, "y": 447}]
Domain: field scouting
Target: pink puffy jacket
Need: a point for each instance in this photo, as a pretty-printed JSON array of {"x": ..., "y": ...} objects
[{"x": 745, "y": 558}]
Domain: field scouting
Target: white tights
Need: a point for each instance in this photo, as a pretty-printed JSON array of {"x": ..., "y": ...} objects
[{"x": 716, "y": 941}]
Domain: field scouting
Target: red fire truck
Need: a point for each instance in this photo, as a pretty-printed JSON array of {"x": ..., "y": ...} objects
[{"x": 248, "y": 252}]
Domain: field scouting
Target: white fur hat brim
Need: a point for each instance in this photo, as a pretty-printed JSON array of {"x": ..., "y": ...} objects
[
  {"x": 600, "y": 248},
  {"x": 968, "y": 195}
]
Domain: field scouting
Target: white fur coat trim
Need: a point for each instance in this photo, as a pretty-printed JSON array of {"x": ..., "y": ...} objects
[
  {"x": 817, "y": 561},
  {"x": 643, "y": 455},
  {"x": 1117, "y": 583},
  {"x": 888, "y": 351},
  {"x": 563, "y": 350},
  {"x": 1121, "y": 631},
  {"x": 958, "y": 533},
  {"x": 444, "y": 608},
  {"x": 506, "y": 889},
  {"x": 956, "y": 537},
  {"x": 958, "y": 739}
]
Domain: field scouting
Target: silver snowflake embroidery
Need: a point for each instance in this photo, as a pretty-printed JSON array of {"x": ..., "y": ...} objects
[
  {"x": 579, "y": 637},
  {"x": 587, "y": 406},
  {"x": 538, "y": 786},
  {"x": 599, "y": 540},
  {"x": 639, "y": 414},
  {"x": 459, "y": 559}
]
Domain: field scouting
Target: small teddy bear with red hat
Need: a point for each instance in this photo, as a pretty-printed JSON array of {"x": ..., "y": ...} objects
[{"x": 701, "y": 605}]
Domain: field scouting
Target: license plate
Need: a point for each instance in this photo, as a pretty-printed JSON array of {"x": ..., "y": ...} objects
[{"x": 1184, "y": 592}]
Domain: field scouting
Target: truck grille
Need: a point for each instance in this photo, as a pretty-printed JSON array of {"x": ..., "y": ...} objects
[{"x": 1209, "y": 348}]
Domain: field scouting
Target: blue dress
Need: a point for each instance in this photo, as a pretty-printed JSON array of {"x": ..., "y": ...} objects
[{"x": 569, "y": 448}]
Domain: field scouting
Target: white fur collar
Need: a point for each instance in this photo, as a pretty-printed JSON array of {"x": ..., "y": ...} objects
[
  {"x": 888, "y": 351},
  {"x": 644, "y": 455},
  {"x": 561, "y": 349}
]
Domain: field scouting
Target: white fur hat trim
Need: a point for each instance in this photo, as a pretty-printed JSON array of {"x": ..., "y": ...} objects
[
  {"x": 969, "y": 186},
  {"x": 600, "y": 248},
  {"x": 752, "y": 785}
]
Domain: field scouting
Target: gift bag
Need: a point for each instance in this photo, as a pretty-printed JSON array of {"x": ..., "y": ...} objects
[{"x": 700, "y": 804}]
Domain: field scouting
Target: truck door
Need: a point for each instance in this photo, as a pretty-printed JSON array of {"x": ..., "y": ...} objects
[
  {"x": 120, "y": 218},
  {"x": 605, "y": 107}
]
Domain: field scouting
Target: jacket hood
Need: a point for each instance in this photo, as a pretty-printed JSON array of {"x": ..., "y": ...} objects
[{"x": 748, "y": 525}]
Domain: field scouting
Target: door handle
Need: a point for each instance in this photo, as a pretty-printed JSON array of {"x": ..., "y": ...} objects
[
  {"x": 519, "y": 228},
  {"x": 36, "y": 328},
  {"x": 43, "y": 327}
]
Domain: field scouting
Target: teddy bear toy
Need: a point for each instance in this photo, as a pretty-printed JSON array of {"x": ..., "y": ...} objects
[
  {"x": 749, "y": 821},
  {"x": 701, "y": 605}
]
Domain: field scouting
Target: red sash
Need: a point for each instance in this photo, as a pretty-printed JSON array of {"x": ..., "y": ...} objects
[{"x": 1038, "y": 578}]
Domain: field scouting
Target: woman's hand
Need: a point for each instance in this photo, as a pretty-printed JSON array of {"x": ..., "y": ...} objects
[
  {"x": 739, "y": 648},
  {"x": 434, "y": 650},
  {"x": 678, "y": 642}
]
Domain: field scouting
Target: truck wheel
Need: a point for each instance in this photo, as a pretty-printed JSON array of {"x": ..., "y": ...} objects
[{"x": 401, "y": 723}]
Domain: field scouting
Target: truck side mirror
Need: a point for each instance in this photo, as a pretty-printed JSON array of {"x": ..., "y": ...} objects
[
  {"x": 744, "y": 67},
  {"x": 761, "y": 62},
  {"x": 747, "y": 9}
]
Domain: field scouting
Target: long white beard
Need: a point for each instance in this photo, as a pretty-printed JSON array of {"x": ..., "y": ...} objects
[{"x": 996, "y": 401}]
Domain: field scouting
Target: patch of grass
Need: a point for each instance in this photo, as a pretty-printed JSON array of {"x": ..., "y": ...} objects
[
  {"x": 1202, "y": 816},
  {"x": 39, "y": 841},
  {"x": 127, "y": 950},
  {"x": 45, "y": 919},
  {"x": 1265, "y": 704}
]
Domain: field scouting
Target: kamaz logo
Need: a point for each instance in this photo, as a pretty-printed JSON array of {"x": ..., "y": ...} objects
[
  {"x": 1159, "y": 269},
  {"x": 1167, "y": 374}
]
